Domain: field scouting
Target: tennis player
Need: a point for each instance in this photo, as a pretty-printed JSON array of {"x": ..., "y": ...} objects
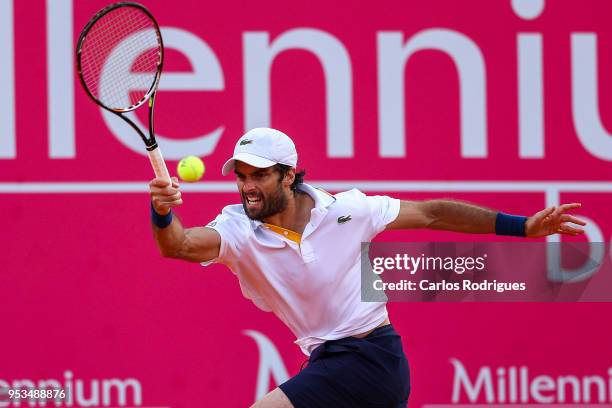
[{"x": 296, "y": 252}]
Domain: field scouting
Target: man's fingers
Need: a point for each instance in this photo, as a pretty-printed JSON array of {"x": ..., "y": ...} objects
[
  {"x": 162, "y": 183},
  {"x": 160, "y": 186},
  {"x": 567, "y": 207},
  {"x": 161, "y": 205},
  {"x": 164, "y": 192},
  {"x": 164, "y": 195},
  {"x": 559, "y": 215},
  {"x": 569, "y": 230},
  {"x": 159, "y": 182},
  {"x": 564, "y": 208},
  {"x": 166, "y": 198},
  {"x": 173, "y": 203},
  {"x": 572, "y": 219},
  {"x": 170, "y": 192},
  {"x": 545, "y": 214}
]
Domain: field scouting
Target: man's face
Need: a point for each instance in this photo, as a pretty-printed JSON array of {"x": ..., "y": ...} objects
[{"x": 261, "y": 191}]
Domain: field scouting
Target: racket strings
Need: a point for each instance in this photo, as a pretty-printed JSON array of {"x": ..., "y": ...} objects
[
  {"x": 112, "y": 29},
  {"x": 120, "y": 56},
  {"x": 115, "y": 70}
]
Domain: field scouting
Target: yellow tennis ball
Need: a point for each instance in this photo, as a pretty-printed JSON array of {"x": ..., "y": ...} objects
[{"x": 190, "y": 168}]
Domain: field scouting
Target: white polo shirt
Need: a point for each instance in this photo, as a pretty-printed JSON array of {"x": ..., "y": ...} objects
[{"x": 313, "y": 285}]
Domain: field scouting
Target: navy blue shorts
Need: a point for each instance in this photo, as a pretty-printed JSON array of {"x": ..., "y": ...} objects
[{"x": 370, "y": 372}]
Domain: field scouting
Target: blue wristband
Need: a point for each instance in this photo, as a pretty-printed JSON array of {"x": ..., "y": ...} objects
[
  {"x": 160, "y": 221},
  {"x": 514, "y": 225}
]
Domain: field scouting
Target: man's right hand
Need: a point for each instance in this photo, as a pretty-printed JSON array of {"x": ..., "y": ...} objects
[
  {"x": 165, "y": 196},
  {"x": 198, "y": 244}
]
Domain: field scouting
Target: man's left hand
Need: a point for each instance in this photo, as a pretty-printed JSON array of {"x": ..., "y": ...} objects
[{"x": 554, "y": 220}]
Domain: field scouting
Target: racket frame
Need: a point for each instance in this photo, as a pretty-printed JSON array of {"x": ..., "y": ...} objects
[{"x": 150, "y": 142}]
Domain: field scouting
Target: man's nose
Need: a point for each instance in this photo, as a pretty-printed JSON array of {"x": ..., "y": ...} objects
[{"x": 248, "y": 186}]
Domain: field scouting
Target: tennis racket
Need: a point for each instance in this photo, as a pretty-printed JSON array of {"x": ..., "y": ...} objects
[{"x": 120, "y": 54}]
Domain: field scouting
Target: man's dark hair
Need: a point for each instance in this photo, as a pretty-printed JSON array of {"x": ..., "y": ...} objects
[{"x": 284, "y": 169}]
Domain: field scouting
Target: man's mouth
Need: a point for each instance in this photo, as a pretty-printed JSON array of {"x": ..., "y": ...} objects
[{"x": 253, "y": 202}]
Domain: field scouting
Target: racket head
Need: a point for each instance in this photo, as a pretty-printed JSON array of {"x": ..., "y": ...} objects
[{"x": 120, "y": 55}]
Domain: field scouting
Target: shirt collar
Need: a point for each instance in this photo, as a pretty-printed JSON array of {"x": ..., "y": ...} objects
[{"x": 322, "y": 200}]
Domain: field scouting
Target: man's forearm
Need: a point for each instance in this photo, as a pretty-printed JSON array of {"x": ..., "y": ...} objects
[
  {"x": 460, "y": 217},
  {"x": 170, "y": 239}
]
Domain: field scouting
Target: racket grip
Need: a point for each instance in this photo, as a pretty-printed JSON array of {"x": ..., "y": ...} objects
[{"x": 159, "y": 165}]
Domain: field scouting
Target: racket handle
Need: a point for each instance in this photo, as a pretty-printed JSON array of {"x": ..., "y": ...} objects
[{"x": 159, "y": 165}]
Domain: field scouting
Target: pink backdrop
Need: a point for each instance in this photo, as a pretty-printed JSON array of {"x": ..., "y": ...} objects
[{"x": 85, "y": 296}]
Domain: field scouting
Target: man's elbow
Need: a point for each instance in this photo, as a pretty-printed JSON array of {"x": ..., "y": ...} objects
[
  {"x": 168, "y": 252},
  {"x": 429, "y": 214}
]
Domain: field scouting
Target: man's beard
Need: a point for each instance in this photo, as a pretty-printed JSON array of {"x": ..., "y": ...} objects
[{"x": 272, "y": 203}]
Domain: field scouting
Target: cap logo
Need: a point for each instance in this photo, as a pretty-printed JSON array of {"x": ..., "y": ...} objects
[{"x": 245, "y": 142}]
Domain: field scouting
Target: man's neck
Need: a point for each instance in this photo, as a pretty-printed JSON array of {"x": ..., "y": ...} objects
[{"x": 296, "y": 215}]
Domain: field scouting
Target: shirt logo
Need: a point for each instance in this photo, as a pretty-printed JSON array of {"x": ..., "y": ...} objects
[
  {"x": 343, "y": 219},
  {"x": 245, "y": 142}
]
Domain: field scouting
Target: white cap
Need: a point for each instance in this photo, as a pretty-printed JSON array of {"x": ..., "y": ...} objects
[{"x": 262, "y": 147}]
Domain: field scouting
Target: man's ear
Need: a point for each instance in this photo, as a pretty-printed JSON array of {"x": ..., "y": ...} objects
[{"x": 289, "y": 178}]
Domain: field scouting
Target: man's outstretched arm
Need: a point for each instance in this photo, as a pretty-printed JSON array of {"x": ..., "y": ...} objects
[
  {"x": 457, "y": 216},
  {"x": 198, "y": 244}
]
